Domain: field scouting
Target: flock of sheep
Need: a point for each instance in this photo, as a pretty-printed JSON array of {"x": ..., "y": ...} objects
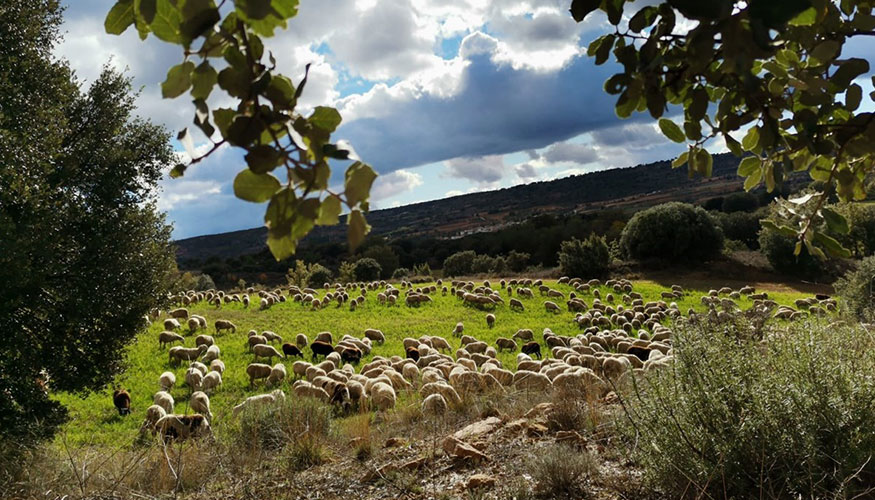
[{"x": 621, "y": 336}]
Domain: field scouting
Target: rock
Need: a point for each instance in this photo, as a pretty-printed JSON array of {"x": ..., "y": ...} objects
[
  {"x": 393, "y": 442},
  {"x": 572, "y": 438},
  {"x": 478, "y": 429},
  {"x": 375, "y": 474},
  {"x": 480, "y": 481},
  {"x": 539, "y": 410},
  {"x": 460, "y": 449},
  {"x": 535, "y": 429},
  {"x": 516, "y": 425},
  {"x": 611, "y": 398}
]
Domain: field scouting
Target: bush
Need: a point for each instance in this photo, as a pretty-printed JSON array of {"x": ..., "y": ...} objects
[
  {"x": 672, "y": 231},
  {"x": 857, "y": 289},
  {"x": 739, "y": 202},
  {"x": 861, "y": 218},
  {"x": 280, "y": 425},
  {"x": 385, "y": 256},
  {"x": 346, "y": 272},
  {"x": 198, "y": 282},
  {"x": 460, "y": 263},
  {"x": 367, "y": 269},
  {"x": 741, "y": 226},
  {"x": 422, "y": 269},
  {"x": 482, "y": 264},
  {"x": 790, "y": 416},
  {"x": 319, "y": 275},
  {"x": 589, "y": 258},
  {"x": 518, "y": 261},
  {"x": 400, "y": 273},
  {"x": 499, "y": 265},
  {"x": 778, "y": 249},
  {"x": 560, "y": 471}
]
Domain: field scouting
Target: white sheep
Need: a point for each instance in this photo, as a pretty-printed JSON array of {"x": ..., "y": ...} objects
[
  {"x": 383, "y": 396},
  {"x": 434, "y": 404},
  {"x": 375, "y": 335},
  {"x": 223, "y": 324},
  {"x": 164, "y": 400},
  {"x": 277, "y": 374},
  {"x": 167, "y": 380},
  {"x": 200, "y": 366},
  {"x": 217, "y": 365},
  {"x": 257, "y": 371},
  {"x": 171, "y": 324},
  {"x": 204, "y": 340},
  {"x": 260, "y": 399},
  {"x": 212, "y": 353},
  {"x": 194, "y": 378},
  {"x": 200, "y": 403},
  {"x": 266, "y": 351},
  {"x": 212, "y": 380},
  {"x": 178, "y": 353},
  {"x": 167, "y": 337},
  {"x": 153, "y": 415}
]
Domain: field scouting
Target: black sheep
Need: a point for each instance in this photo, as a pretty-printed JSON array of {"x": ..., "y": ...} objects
[
  {"x": 532, "y": 349},
  {"x": 640, "y": 353},
  {"x": 291, "y": 350},
  {"x": 413, "y": 353},
  {"x": 122, "y": 401},
  {"x": 351, "y": 355},
  {"x": 320, "y": 348}
]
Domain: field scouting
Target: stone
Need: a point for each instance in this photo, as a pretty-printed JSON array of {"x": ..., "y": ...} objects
[
  {"x": 535, "y": 429},
  {"x": 478, "y": 481},
  {"x": 539, "y": 410},
  {"x": 460, "y": 449},
  {"x": 478, "y": 429}
]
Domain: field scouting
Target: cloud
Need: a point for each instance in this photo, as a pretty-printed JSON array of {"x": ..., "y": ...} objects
[
  {"x": 525, "y": 171},
  {"x": 482, "y": 170},
  {"x": 562, "y": 152},
  {"x": 399, "y": 181}
]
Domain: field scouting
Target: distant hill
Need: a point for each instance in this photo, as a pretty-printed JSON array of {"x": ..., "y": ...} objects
[{"x": 630, "y": 187}]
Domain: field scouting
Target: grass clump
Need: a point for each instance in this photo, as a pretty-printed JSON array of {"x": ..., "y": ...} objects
[
  {"x": 736, "y": 416},
  {"x": 560, "y": 471}
]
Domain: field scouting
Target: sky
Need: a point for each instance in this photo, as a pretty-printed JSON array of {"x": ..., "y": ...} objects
[{"x": 441, "y": 97}]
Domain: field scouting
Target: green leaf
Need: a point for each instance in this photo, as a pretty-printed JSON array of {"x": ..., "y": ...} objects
[
  {"x": 263, "y": 159},
  {"x": 681, "y": 160},
  {"x": 671, "y": 130},
  {"x": 751, "y": 139},
  {"x": 178, "y": 80},
  {"x": 148, "y": 9},
  {"x": 848, "y": 71},
  {"x": 642, "y": 19},
  {"x": 253, "y": 187},
  {"x": 853, "y": 97},
  {"x": 705, "y": 162},
  {"x": 806, "y": 18},
  {"x": 167, "y": 21},
  {"x": 203, "y": 79},
  {"x": 581, "y": 8},
  {"x": 358, "y": 228},
  {"x": 357, "y": 186},
  {"x": 325, "y": 118},
  {"x": 199, "y": 16},
  {"x": 826, "y": 50},
  {"x": 244, "y": 130},
  {"x": 748, "y": 166},
  {"x": 254, "y": 9},
  {"x": 120, "y": 16},
  {"x": 223, "y": 118},
  {"x": 235, "y": 82},
  {"x": 835, "y": 221},
  {"x": 753, "y": 180},
  {"x": 178, "y": 170},
  {"x": 831, "y": 245},
  {"x": 329, "y": 211}
]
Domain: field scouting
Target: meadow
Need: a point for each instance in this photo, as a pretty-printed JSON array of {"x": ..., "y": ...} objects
[{"x": 94, "y": 420}]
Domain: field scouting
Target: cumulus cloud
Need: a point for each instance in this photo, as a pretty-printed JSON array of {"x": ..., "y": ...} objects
[
  {"x": 525, "y": 171},
  {"x": 399, "y": 181},
  {"x": 562, "y": 152},
  {"x": 482, "y": 170}
]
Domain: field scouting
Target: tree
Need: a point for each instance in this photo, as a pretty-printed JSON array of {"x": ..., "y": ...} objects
[
  {"x": 459, "y": 264},
  {"x": 400, "y": 273},
  {"x": 346, "y": 272},
  {"x": 264, "y": 122},
  {"x": 857, "y": 289},
  {"x": 319, "y": 275},
  {"x": 672, "y": 231},
  {"x": 84, "y": 254},
  {"x": 739, "y": 202},
  {"x": 741, "y": 226},
  {"x": 518, "y": 261},
  {"x": 385, "y": 256},
  {"x": 589, "y": 258},
  {"x": 764, "y": 76},
  {"x": 778, "y": 246},
  {"x": 367, "y": 269},
  {"x": 482, "y": 264}
]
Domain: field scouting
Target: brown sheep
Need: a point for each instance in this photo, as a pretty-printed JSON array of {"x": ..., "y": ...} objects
[
  {"x": 412, "y": 353},
  {"x": 122, "y": 401},
  {"x": 292, "y": 351},
  {"x": 166, "y": 337},
  {"x": 223, "y": 324},
  {"x": 504, "y": 343},
  {"x": 320, "y": 348},
  {"x": 351, "y": 355},
  {"x": 516, "y": 304},
  {"x": 490, "y": 320},
  {"x": 532, "y": 349}
]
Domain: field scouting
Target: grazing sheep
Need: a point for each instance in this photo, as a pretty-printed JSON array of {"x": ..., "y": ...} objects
[
  {"x": 321, "y": 348},
  {"x": 307, "y": 390},
  {"x": 515, "y": 304},
  {"x": 257, "y": 371},
  {"x": 551, "y": 307},
  {"x": 212, "y": 353},
  {"x": 524, "y": 334},
  {"x": 223, "y": 324},
  {"x": 440, "y": 343},
  {"x": 167, "y": 337},
  {"x": 504, "y": 343},
  {"x": 217, "y": 365},
  {"x": 277, "y": 374},
  {"x": 200, "y": 403},
  {"x": 254, "y": 340},
  {"x": 164, "y": 400},
  {"x": 266, "y": 351},
  {"x": 194, "y": 378},
  {"x": 490, "y": 320},
  {"x": 178, "y": 353},
  {"x": 351, "y": 355},
  {"x": 382, "y": 396},
  {"x": 181, "y": 313},
  {"x": 291, "y": 351},
  {"x": 122, "y": 401},
  {"x": 412, "y": 353},
  {"x": 193, "y": 324},
  {"x": 212, "y": 380},
  {"x": 272, "y": 337},
  {"x": 206, "y": 340},
  {"x": 167, "y": 380},
  {"x": 301, "y": 341},
  {"x": 153, "y": 415},
  {"x": 171, "y": 324},
  {"x": 457, "y": 331},
  {"x": 531, "y": 381},
  {"x": 478, "y": 347},
  {"x": 375, "y": 335},
  {"x": 182, "y": 426},
  {"x": 324, "y": 337},
  {"x": 532, "y": 349},
  {"x": 200, "y": 366},
  {"x": 434, "y": 404}
]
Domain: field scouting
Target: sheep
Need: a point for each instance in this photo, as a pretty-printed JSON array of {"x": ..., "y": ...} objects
[
  {"x": 168, "y": 337},
  {"x": 531, "y": 381},
  {"x": 382, "y": 396},
  {"x": 257, "y": 371},
  {"x": 515, "y": 304},
  {"x": 153, "y": 415},
  {"x": 412, "y": 353},
  {"x": 217, "y": 365},
  {"x": 193, "y": 324},
  {"x": 272, "y": 337},
  {"x": 200, "y": 366},
  {"x": 505, "y": 343},
  {"x": 266, "y": 351},
  {"x": 440, "y": 343},
  {"x": 291, "y": 350},
  {"x": 178, "y": 353},
  {"x": 212, "y": 353},
  {"x": 434, "y": 404},
  {"x": 181, "y": 313},
  {"x": 171, "y": 324},
  {"x": 212, "y": 380},
  {"x": 204, "y": 340},
  {"x": 457, "y": 331},
  {"x": 261, "y": 399},
  {"x": 532, "y": 349},
  {"x": 524, "y": 334},
  {"x": 200, "y": 403},
  {"x": 182, "y": 426},
  {"x": 277, "y": 374},
  {"x": 301, "y": 341},
  {"x": 478, "y": 347},
  {"x": 305, "y": 389},
  {"x": 194, "y": 378},
  {"x": 375, "y": 335},
  {"x": 490, "y": 320},
  {"x": 254, "y": 340},
  {"x": 164, "y": 400},
  {"x": 223, "y": 324},
  {"x": 351, "y": 355},
  {"x": 299, "y": 368},
  {"x": 122, "y": 401},
  {"x": 444, "y": 389},
  {"x": 320, "y": 348},
  {"x": 167, "y": 380},
  {"x": 551, "y": 307},
  {"x": 324, "y": 337}
]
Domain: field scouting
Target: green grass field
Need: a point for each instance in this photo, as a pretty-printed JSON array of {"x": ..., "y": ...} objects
[{"x": 94, "y": 420}]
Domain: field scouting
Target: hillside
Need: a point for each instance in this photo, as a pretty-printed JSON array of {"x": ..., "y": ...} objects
[{"x": 631, "y": 187}]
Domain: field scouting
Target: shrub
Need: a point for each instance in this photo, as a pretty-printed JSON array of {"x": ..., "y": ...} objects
[
  {"x": 741, "y": 226},
  {"x": 589, "y": 258},
  {"x": 300, "y": 424},
  {"x": 198, "y": 282},
  {"x": 367, "y": 269},
  {"x": 499, "y": 265},
  {"x": 400, "y": 273},
  {"x": 518, "y": 261},
  {"x": 303, "y": 275},
  {"x": 779, "y": 250},
  {"x": 346, "y": 272},
  {"x": 672, "y": 231},
  {"x": 319, "y": 275},
  {"x": 482, "y": 264},
  {"x": 560, "y": 471},
  {"x": 735, "y": 416},
  {"x": 422, "y": 269},
  {"x": 861, "y": 219},
  {"x": 739, "y": 202},
  {"x": 857, "y": 289},
  {"x": 385, "y": 256},
  {"x": 460, "y": 263}
]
